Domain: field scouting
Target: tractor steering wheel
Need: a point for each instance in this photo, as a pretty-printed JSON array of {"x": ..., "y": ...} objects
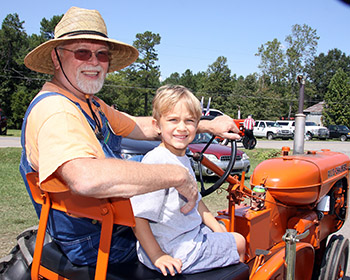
[{"x": 199, "y": 156}]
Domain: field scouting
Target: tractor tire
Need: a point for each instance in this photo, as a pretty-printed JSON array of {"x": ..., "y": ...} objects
[
  {"x": 249, "y": 144},
  {"x": 335, "y": 260}
]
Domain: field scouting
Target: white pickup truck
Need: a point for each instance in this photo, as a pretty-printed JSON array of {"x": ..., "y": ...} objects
[
  {"x": 271, "y": 130},
  {"x": 312, "y": 130}
]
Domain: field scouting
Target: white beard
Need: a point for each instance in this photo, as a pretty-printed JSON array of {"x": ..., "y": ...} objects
[{"x": 90, "y": 87}]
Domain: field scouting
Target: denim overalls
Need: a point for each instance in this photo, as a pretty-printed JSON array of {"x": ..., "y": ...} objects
[{"x": 79, "y": 237}]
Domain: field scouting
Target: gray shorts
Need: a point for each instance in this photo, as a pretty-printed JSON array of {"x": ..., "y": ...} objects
[{"x": 218, "y": 249}]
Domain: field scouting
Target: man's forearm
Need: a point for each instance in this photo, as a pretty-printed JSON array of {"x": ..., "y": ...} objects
[{"x": 102, "y": 178}]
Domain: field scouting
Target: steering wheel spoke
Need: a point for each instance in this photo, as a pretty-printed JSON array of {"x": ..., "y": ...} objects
[{"x": 198, "y": 157}]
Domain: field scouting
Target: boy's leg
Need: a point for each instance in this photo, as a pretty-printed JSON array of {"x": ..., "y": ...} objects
[{"x": 241, "y": 244}]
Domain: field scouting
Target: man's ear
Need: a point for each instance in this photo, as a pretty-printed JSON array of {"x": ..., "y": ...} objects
[
  {"x": 55, "y": 60},
  {"x": 156, "y": 126}
]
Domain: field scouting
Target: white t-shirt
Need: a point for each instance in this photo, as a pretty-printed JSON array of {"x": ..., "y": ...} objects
[{"x": 178, "y": 235}]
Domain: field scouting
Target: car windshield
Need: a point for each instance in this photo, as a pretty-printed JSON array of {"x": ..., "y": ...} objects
[
  {"x": 343, "y": 128},
  {"x": 310, "y": 124},
  {"x": 203, "y": 138},
  {"x": 271, "y": 124}
]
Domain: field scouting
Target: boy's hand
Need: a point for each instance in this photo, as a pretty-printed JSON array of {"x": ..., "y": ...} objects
[{"x": 166, "y": 262}]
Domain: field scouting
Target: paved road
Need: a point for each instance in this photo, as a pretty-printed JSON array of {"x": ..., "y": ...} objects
[
  {"x": 337, "y": 146},
  {"x": 6, "y": 141}
]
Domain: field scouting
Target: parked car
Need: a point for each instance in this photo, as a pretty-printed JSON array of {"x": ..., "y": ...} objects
[
  {"x": 312, "y": 130},
  {"x": 219, "y": 154},
  {"x": 339, "y": 131},
  {"x": 271, "y": 130},
  {"x": 212, "y": 112},
  {"x": 135, "y": 149},
  {"x": 3, "y": 123},
  {"x": 287, "y": 124}
]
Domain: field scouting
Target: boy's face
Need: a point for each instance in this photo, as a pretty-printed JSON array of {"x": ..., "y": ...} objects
[{"x": 178, "y": 128}]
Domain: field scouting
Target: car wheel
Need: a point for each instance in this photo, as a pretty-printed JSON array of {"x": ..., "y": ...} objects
[
  {"x": 343, "y": 138},
  {"x": 308, "y": 136},
  {"x": 269, "y": 136}
]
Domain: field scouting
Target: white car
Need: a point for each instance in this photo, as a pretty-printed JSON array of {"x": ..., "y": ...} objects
[
  {"x": 271, "y": 130},
  {"x": 312, "y": 130}
]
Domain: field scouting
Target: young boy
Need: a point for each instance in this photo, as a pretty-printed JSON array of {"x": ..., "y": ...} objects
[{"x": 169, "y": 240}]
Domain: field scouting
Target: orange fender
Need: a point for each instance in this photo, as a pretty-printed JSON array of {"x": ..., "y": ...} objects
[{"x": 275, "y": 267}]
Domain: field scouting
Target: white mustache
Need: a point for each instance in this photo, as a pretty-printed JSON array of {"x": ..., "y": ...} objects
[{"x": 90, "y": 68}]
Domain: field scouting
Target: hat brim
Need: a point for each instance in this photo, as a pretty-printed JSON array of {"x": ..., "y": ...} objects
[{"x": 39, "y": 59}]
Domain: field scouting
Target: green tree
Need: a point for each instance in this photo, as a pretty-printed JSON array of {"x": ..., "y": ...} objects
[
  {"x": 13, "y": 44},
  {"x": 144, "y": 73},
  {"x": 218, "y": 84},
  {"x": 272, "y": 60},
  {"x": 48, "y": 27},
  {"x": 173, "y": 79},
  {"x": 337, "y": 100},
  {"x": 302, "y": 47},
  {"x": 322, "y": 69}
]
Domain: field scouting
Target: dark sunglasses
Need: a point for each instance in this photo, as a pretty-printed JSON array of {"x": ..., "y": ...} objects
[{"x": 85, "y": 55}]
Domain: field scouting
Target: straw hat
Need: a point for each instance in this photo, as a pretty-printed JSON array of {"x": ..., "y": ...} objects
[{"x": 78, "y": 23}]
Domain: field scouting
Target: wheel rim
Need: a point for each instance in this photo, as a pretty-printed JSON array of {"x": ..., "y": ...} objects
[{"x": 335, "y": 261}]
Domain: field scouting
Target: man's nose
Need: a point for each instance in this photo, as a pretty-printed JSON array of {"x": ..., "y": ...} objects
[{"x": 93, "y": 59}]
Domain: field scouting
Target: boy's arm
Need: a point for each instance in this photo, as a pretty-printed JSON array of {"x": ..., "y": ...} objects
[
  {"x": 161, "y": 260},
  {"x": 208, "y": 219}
]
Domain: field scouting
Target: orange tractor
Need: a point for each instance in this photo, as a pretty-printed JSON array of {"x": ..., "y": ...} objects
[{"x": 296, "y": 203}]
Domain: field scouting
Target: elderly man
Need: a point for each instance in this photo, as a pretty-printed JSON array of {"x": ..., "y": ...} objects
[{"x": 71, "y": 135}]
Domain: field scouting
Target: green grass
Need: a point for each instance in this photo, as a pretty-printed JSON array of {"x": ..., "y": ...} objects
[
  {"x": 17, "y": 212},
  {"x": 13, "y": 133},
  {"x": 218, "y": 200}
]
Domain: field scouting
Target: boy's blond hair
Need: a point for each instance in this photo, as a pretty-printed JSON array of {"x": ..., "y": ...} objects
[{"x": 167, "y": 96}]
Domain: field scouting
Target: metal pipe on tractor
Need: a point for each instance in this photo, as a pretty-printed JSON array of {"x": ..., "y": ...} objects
[{"x": 300, "y": 120}]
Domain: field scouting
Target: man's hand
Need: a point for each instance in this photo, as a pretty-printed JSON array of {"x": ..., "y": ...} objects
[
  {"x": 222, "y": 126},
  {"x": 189, "y": 190},
  {"x": 166, "y": 262}
]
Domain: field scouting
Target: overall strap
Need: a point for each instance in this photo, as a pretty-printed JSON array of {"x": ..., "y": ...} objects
[
  {"x": 47, "y": 94},
  {"x": 29, "y": 109}
]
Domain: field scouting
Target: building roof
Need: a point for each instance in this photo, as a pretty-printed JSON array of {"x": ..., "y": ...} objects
[{"x": 317, "y": 108}]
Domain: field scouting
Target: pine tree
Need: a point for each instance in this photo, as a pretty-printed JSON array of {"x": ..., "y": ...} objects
[{"x": 337, "y": 100}]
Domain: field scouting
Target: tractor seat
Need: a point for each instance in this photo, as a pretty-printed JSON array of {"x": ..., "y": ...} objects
[{"x": 54, "y": 260}]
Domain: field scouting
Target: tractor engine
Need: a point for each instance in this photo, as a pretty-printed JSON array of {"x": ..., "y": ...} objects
[{"x": 305, "y": 192}]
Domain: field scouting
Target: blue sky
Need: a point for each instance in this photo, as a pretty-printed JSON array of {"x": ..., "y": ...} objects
[{"x": 194, "y": 33}]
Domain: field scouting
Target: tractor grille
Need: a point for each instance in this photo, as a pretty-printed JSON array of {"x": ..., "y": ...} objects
[{"x": 227, "y": 158}]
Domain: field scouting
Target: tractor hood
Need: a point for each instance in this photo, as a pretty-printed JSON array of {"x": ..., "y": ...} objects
[{"x": 300, "y": 179}]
